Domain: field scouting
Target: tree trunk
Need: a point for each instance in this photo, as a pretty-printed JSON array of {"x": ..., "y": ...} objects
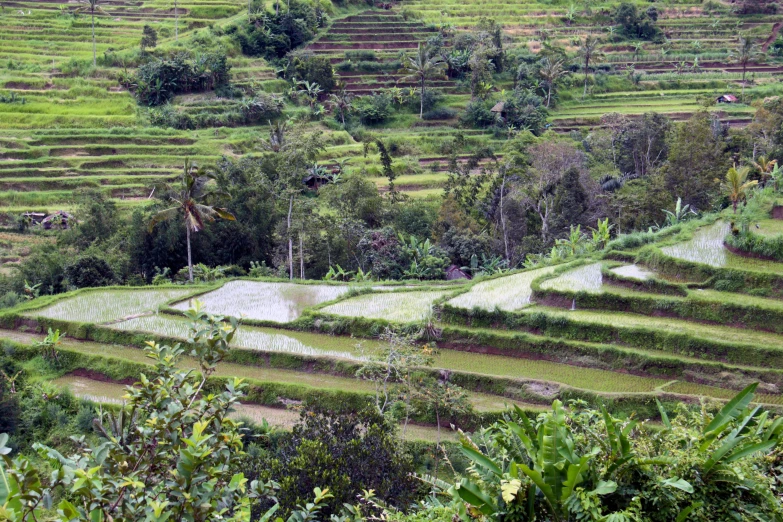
[
  {"x": 421, "y": 106},
  {"x": 190, "y": 258},
  {"x": 290, "y": 241},
  {"x": 744, "y": 69},
  {"x": 301, "y": 257},
  {"x": 587, "y": 69},
  {"x": 94, "y": 53},
  {"x": 548, "y": 96},
  {"x": 437, "y": 445},
  {"x": 502, "y": 217},
  {"x": 176, "y": 21}
]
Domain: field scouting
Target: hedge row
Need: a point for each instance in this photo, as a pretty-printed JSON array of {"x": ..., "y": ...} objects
[
  {"x": 700, "y": 310},
  {"x": 634, "y": 336},
  {"x": 757, "y": 245},
  {"x": 719, "y": 278},
  {"x": 652, "y": 285},
  {"x": 514, "y": 389}
]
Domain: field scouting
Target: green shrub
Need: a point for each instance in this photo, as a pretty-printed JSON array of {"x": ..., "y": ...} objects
[{"x": 757, "y": 245}]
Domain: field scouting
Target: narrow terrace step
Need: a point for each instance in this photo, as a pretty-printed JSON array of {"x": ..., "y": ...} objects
[
  {"x": 372, "y": 37},
  {"x": 326, "y": 47}
]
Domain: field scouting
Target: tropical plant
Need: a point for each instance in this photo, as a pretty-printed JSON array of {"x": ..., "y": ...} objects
[
  {"x": 681, "y": 213},
  {"x": 588, "y": 50},
  {"x": 311, "y": 91},
  {"x": 338, "y": 274},
  {"x": 602, "y": 234},
  {"x": 420, "y": 68},
  {"x": 575, "y": 243},
  {"x": 259, "y": 269},
  {"x": 486, "y": 265},
  {"x": 737, "y": 185},
  {"x": 167, "y": 454},
  {"x": 551, "y": 72},
  {"x": 764, "y": 165},
  {"x": 341, "y": 103},
  {"x": 92, "y": 7},
  {"x": 745, "y": 52},
  {"x": 48, "y": 346},
  {"x": 31, "y": 291},
  {"x": 586, "y": 465},
  {"x": 191, "y": 205}
]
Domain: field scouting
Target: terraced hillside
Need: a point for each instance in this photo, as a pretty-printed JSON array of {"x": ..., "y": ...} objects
[
  {"x": 380, "y": 38},
  {"x": 596, "y": 328},
  {"x": 66, "y": 125},
  {"x": 48, "y": 51}
]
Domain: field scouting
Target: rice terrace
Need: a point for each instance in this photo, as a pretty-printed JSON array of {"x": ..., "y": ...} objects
[{"x": 358, "y": 260}]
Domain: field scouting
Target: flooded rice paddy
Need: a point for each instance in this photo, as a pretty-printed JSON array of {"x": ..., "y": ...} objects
[
  {"x": 392, "y": 306},
  {"x": 586, "y": 278},
  {"x": 706, "y": 246},
  {"x": 507, "y": 293},
  {"x": 279, "y": 302},
  {"x": 103, "y": 306}
]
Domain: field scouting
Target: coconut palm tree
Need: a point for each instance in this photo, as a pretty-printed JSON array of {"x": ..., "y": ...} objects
[
  {"x": 341, "y": 102},
  {"x": 764, "y": 165},
  {"x": 737, "y": 185},
  {"x": 551, "y": 72},
  {"x": 420, "y": 68},
  {"x": 92, "y": 7},
  {"x": 745, "y": 52},
  {"x": 190, "y": 204},
  {"x": 588, "y": 50}
]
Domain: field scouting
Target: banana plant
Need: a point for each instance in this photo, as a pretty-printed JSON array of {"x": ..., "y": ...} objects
[
  {"x": 681, "y": 213},
  {"x": 340, "y": 274},
  {"x": 362, "y": 276},
  {"x": 602, "y": 234},
  {"x": 575, "y": 243}
]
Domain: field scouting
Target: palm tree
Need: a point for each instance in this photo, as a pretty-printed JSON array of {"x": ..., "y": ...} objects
[
  {"x": 190, "y": 204},
  {"x": 588, "y": 50},
  {"x": 737, "y": 185},
  {"x": 745, "y": 52},
  {"x": 276, "y": 136},
  {"x": 637, "y": 49},
  {"x": 765, "y": 166},
  {"x": 341, "y": 102},
  {"x": 420, "y": 67},
  {"x": 551, "y": 72},
  {"x": 311, "y": 91},
  {"x": 91, "y": 6}
]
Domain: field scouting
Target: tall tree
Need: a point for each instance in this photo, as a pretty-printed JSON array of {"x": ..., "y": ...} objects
[
  {"x": 745, "y": 52},
  {"x": 551, "y": 72},
  {"x": 176, "y": 21},
  {"x": 588, "y": 51},
  {"x": 420, "y": 68},
  {"x": 290, "y": 154},
  {"x": 191, "y": 204},
  {"x": 737, "y": 185},
  {"x": 92, "y": 7}
]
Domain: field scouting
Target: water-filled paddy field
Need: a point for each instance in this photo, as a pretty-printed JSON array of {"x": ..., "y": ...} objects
[
  {"x": 279, "y": 302},
  {"x": 102, "y": 306},
  {"x": 706, "y": 246},
  {"x": 586, "y": 278},
  {"x": 268, "y": 339},
  {"x": 392, "y": 306},
  {"x": 506, "y": 293}
]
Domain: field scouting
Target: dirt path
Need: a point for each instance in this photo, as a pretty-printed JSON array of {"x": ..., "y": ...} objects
[{"x": 775, "y": 31}]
